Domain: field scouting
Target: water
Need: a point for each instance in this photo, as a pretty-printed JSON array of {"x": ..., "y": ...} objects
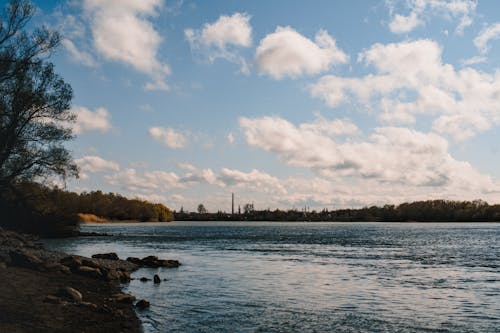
[{"x": 311, "y": 277}]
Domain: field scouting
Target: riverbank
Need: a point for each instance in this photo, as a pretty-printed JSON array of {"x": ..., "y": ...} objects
[{"x": 48, "y": 291}]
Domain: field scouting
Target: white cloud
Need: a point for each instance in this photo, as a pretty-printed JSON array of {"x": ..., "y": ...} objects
[
  {"x": 285, "y": 52},
  {"x": 410, "y": 80},
  {"x": 485, "y": 36},
  {"x": 474, "y": 60},
  {"x": 96, "y": 164},
  {"x": 122, "y": 32},
  {"x": 221, "y": 38},
  {"x": 253, "y": 180},
  {"x": 391, "y": 155},
  {"x": 422, "y": 10},
  {"x": 87, "y": 120},
  {"x": 79, "y": 56},
  {"x": 169, "y": 137},
  {"x": 403, "y": 24},
  {"x": 230, "y": 138}
]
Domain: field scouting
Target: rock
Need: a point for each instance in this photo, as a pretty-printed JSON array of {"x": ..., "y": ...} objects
[
  {"x": 71, "y": 294},
  {"x": 26, "y": 260},
  {"x": 71, "y": 261},
  {"x": 89, "y": 271},
  {"x": 56, "y": 267},
  {"x": 154, "y": 262},
  {"x": 110, "y": 256},
  {"x": 142, "y": 304},
  {"x": 90, "y": 263},
  {"x": 144, "y": 279},
  {"x": 124, "y": 277},
  {"x": 134, "y": 260},
  {"x": 52, "y": 299},
  {"x": 169, "y": 263},
  {"x": 156, "y": 279},
  {"x": 2, "y": 265},
  {"x": 89, "y": 305},
  {"x": 123, "y": 298},
  {"x": 113, "y": 274}
]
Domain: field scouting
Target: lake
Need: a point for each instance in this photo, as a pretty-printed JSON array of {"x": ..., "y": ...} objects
[{"x": 311, "y": 277}]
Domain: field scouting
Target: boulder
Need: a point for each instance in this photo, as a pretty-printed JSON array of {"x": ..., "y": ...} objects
[
  {"x": 113, "y": 275},
  {"x": 26, "y": 260},
  {"x": 156, "y": 279},
  {"x": 72, "y": 262},
  {"x": 56, "y": 267},
  {"x": 142, "y": 304},
  {"x": 124, "y": 276},
  {"x": 89, "y": 305},
  {"x": 144, "y": 279},
  {"x": 169, "y": 263},
  {"x": 109, "y": 256},
  {"x": 90, "y": 263},
  {"x": 123, "y": 298},
  {"x": 89, "y": 271},
  {"x": 154, "y": 262},
  {"x": 70, "y": 294},
  {"x": 134, "y": 260}
]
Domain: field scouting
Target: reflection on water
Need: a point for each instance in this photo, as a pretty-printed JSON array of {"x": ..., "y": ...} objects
[{"x": 305, "y": 277}]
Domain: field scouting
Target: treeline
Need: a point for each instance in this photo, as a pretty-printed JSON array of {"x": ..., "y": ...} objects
[
  {"x": 420, "y": 211},
  {"x": 34, "y": 208}
]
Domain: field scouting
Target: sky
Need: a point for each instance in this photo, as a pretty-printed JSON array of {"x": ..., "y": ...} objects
[{"x": 288, "y": 104}]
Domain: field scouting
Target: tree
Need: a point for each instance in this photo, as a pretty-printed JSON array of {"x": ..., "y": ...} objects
[
  {"x": 202, "y": 209},
  {"x": 34, "y": 102}
]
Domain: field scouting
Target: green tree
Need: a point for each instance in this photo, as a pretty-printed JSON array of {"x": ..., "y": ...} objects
[
  {"x": 202, "y": 209},
  {"x": 34, "y": 102}
]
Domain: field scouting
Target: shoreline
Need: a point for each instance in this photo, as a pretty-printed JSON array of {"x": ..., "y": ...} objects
[{"x": 34, "y": 290}]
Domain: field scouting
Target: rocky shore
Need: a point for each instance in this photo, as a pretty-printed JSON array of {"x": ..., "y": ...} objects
[{"x": 49, "y": 291}]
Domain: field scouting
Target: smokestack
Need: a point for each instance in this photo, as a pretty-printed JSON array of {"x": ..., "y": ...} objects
[{"x": 232, "y": 203}]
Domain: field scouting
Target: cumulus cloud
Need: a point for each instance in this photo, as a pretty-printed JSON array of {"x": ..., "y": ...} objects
[
  {"x": 421, "y": 10},
  {"x": 230, "y": 138},
  {"x": 489, "y": 33},
  {"x": 222, "y": 38},
  {"x": 169, "y": 137},
  {"x": 410, "y": 79},
  {"x": 391, "y": 155},
  {"x": 122, "y": 32},
  {"x": 87, "y": 120},
  {"x": 285, "y": 52},
  {"x": 403, "y": 24},
  {"x": 96, "y": 164}
]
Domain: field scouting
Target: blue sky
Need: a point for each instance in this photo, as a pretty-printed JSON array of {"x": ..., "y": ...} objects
[{"x": 325, "y": 104}]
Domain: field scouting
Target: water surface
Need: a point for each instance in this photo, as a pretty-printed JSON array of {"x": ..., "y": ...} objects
[{"x": 311, "y": 277}]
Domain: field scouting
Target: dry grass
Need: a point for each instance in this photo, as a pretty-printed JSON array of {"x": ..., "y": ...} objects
[{"x": 91, "y": 218}]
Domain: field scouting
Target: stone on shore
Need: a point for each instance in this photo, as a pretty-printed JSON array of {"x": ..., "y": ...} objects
[
  {"x": 123, "y": 298},
  {"x": 142, "y": 304},
  {"x": 71, "y": 294},
  {"x": 154, "y": 262},
  {"x": 89, "y": 271},
  {"x": 72, "y": 262},
  {"x": 109, "y": 256}
]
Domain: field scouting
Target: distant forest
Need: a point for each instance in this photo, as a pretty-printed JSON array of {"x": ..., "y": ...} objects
[
  {"x": 47, "y": 211},
  {"x": 420, "y": 211}
]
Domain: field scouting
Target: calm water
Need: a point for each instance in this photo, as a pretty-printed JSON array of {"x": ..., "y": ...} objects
[{"x": 312, "y": 277}]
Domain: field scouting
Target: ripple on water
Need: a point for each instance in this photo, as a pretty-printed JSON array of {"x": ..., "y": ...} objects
[{"x": 306, "y": 277}]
